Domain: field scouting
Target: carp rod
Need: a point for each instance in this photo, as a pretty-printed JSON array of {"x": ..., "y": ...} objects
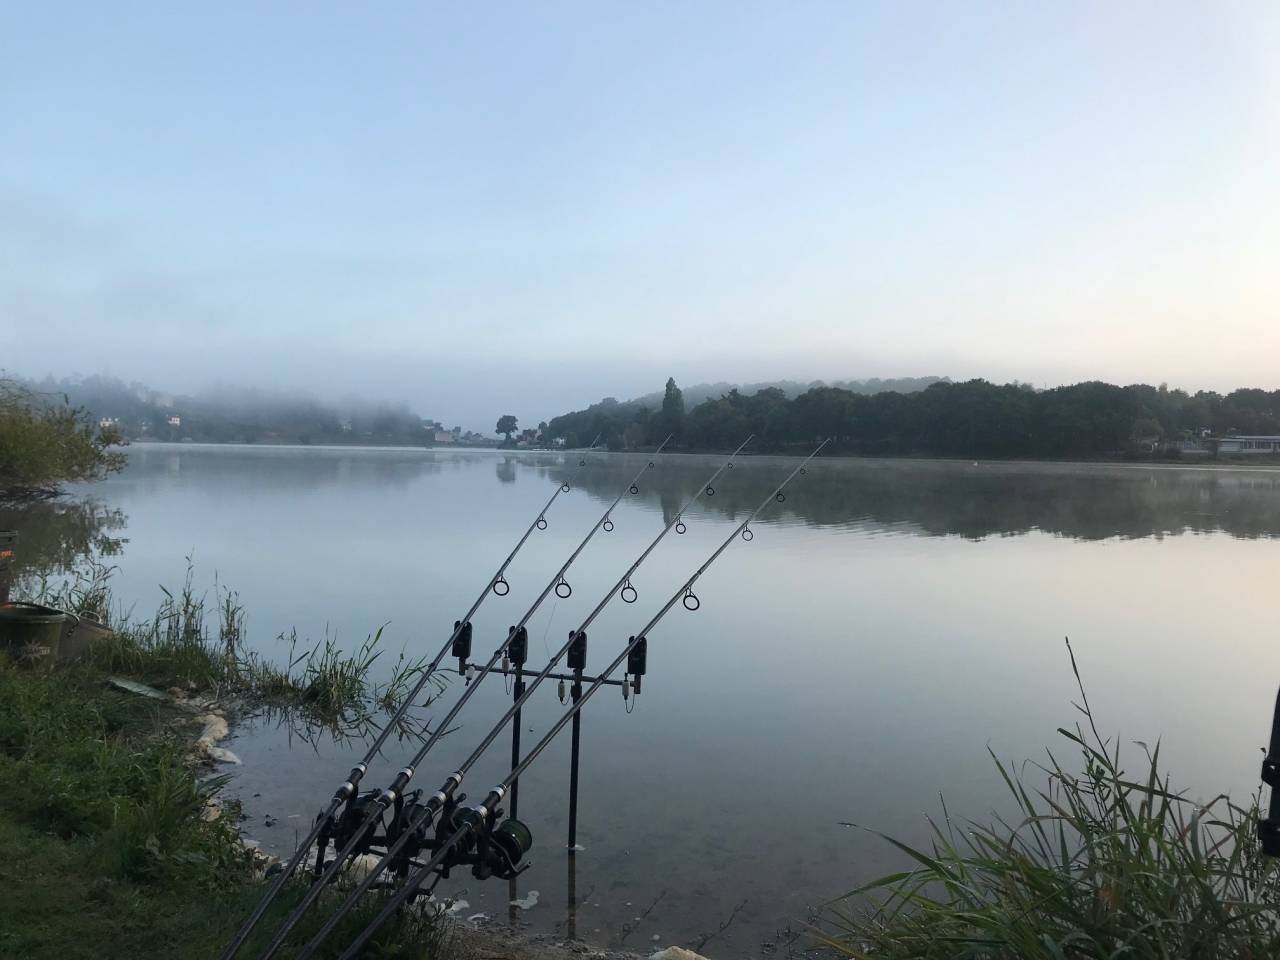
[
  {"x": 514, "y": 841},
  {"x": 350, "y": 787},
  {"x": 370, "y": 808},
  {"x": 418, "y": 815}
]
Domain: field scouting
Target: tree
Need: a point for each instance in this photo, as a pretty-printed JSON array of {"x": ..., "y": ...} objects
[
  {"x": 507, "y": 426},
  {"x": 670, "y": 420},
  {"x": 43, "y": 444}
]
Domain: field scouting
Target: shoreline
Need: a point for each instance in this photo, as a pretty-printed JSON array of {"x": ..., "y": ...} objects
[{"x": 1260, "y": 463}]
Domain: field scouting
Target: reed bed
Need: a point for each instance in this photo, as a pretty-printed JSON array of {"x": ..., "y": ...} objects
[{"x": 1097, "y": 864}]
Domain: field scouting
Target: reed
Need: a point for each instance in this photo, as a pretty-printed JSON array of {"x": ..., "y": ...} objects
[
  {"x": 193, "y": 642},
  {"x": 1098, "y": 863}
]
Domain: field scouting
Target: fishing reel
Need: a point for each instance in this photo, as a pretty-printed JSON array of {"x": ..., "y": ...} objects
[
  {"x": 493, "y": 847},
  {"x": 414, "y": 818},
  {"x": 339, "y": 830}
]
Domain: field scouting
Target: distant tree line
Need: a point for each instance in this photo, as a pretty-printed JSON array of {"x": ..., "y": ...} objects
[
  {"x": 971, "y": 419},
  {"x": 241, "y": 416}
]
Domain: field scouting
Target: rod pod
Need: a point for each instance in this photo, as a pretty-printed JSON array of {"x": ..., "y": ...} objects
[
  {"x": 485, "y": 812},
  {"x": 443, "y": 797}
]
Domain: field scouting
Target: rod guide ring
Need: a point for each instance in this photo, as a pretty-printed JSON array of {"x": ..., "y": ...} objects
[
  {"x": 565, "y": 486},
  {"x": 747, "y": 535},
  {"x": 567, "y": 590},
  {"x": 780, "y": 497},
  {"x": 690, "y": 600},
  {"x": 680, "y": 527},
  {"x": 501, "y": 587},
  {"x": 628, "y": 593},
  {"x": 608, "y": 525},
  {"x": 634, "y": 489},
  {"x": 711, "y": 491},
  {"x": 542, "y": 523}
]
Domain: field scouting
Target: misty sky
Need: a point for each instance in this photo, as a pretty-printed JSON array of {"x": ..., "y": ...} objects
[{"x": 491, "y": 208}]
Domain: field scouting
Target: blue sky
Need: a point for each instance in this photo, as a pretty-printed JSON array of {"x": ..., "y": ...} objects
[{"x": 482, "y": 208}]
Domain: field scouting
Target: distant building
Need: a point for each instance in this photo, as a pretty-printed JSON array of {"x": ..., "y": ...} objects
[
  {"x": 175, "y": 421},
  {"x": 107, "y": 423},
  {"x": 444, "y": 436},
  {"x": 1249, "y": 445}
]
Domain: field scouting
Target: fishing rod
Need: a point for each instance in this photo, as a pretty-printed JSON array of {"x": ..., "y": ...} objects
[
  {"x": 349, "y": 788},
  {"x": 355, "y": 838},
  {"x": 415, "y": 815},
  {"x": 497, "y": 850}
]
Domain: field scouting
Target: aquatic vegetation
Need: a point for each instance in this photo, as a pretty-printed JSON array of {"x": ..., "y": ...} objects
[
  {"x": 185, "y": 643},
  {"x": 1099, "y": 865}
]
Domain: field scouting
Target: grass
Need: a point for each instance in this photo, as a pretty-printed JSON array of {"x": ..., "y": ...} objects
[
  {"x": 186, "y": 643},
  {"x": 106, "y": 845},
  {"x": 105, "y": 850},
  {"x": 1098, "y": 864}
]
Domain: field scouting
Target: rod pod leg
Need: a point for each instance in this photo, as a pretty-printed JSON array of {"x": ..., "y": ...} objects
[{"x": 574, "y": 751}]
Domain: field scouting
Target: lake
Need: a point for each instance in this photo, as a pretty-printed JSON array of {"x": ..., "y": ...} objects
[{"x": 890, "y": 623}]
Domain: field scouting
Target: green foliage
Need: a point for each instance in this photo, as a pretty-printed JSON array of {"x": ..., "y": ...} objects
[
  {"x": 506, "y": 425},
  {"x": 1097, "y": 865},
  {"x": 45, "y": 443},
  {"x": 670, "y": 419},
  {"x": 105, "y": 850},
  {"x": 971, "y": 419},
  {"x": 183, "y": 644},
  {"x": 69, "y": 766}
]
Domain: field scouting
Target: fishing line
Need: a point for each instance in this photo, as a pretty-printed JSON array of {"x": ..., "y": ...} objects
[
  {"x": 395, "y": 792},
  {"x": 479, "y": 817},
  {"x": 348, "y": 790},
  {"x": 445, "y": 793}
]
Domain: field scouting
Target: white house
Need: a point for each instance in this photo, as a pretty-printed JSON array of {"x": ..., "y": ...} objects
[
  {"x": 175, "y": 421},
  {"x": 1249, "y": 445}
]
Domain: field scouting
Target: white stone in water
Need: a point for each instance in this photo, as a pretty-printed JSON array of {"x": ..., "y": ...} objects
[
  {"x": 525, "y": 903},
  {"x": 215, "y": 729},
  {"x": 677, "y": 953},
  {"x": 222, "y": 755},
  {"x": 362, "y": 866}
]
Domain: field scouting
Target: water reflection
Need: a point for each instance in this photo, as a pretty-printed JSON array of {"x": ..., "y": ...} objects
[
  {"x": 54, "y": 536},
  {"x": 892, "y": 619},
  {"x": 941, "y": 498}
]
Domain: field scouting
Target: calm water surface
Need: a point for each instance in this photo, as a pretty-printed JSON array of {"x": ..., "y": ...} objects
[{"x": 890, "y": 622}]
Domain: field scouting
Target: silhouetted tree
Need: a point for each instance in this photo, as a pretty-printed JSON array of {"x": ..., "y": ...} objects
[{"x": 507, "y": 426}]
